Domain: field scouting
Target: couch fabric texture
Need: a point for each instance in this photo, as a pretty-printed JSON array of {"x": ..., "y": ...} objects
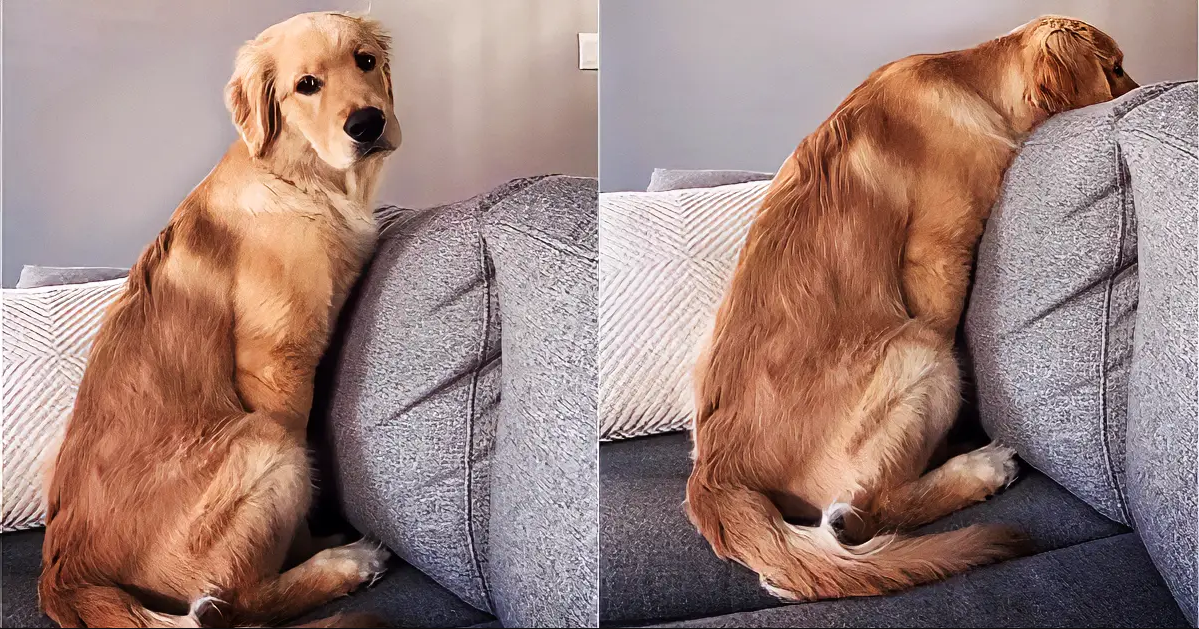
[
  {"x": 1053, "y": 307},
  {"x": 1052, "y": 589},
  {"x": 1158, "y": 142},
  {"x": 1071, "y": 301},
  {"x": 48, "y": 332},
  {"x": 665, "y": 261},
  {"x": 667, "y": 179},
  {"x": 486, "y": 495},
  {"x": 34, "y": 276},
  {"x": 544, "y": 541},
  {"x": 415, "y": 394}
]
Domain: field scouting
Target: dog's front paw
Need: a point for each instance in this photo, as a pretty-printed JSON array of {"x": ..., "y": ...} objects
[{"x": 364, "y": 561}]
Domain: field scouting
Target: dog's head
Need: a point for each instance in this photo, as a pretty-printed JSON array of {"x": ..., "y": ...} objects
[
  {"x": 324, "y": 78},
  {"x": 1068, "y": 64}
]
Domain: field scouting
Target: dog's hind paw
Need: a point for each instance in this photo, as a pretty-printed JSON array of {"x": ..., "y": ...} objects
[
  {"x": 364, "y": 561},
  {"x": 993, "y": 466}
]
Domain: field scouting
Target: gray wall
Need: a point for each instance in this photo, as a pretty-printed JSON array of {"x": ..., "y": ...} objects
[
  {"x": 112, "y": 110},
  {"x": 723, "y": 84}
]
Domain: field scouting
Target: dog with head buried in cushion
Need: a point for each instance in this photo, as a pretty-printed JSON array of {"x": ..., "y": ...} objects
[
  {"x": 182, "y": 486},
  {"x": 830, "y": 379}
]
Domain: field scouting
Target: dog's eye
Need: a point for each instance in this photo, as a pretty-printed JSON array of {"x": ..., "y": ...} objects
[
  {"x": 1117, "y": 70},
  {"x": 365, "y": 62},
  {"x": 308, "y": 85}
]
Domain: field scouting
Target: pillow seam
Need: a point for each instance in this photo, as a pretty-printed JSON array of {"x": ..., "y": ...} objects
[
  {"x": 548, "y": 241},
  {"x": 472, "y": 409},
  {"x": 484, "y": 205},
  {"x": 1166, "y": 138},
  {"x": 1105, "y": 408}
]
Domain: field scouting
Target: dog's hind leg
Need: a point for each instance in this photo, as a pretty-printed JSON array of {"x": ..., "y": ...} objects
[
  {"x": 329, "y": 574},
  {"x": 252, "y": 517},
  {"x": 304, "y": 545},
  {"x": 962, "y": 481},
  {"x": 916, "y": 396}
]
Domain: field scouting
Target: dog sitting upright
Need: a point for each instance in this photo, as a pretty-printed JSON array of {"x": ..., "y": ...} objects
[
  {"x": 830, "y": 377},
  {"x": 184, "y": 479}
]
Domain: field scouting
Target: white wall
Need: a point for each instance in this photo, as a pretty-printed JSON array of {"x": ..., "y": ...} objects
[
  {"x": 724, "y": 84},
  {"x": 112, "y": 109}
]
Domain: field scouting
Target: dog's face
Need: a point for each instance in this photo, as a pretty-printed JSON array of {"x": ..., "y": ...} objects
[
  {"x": 1070, "y": 64},
  {"x": 324, "y": 77}
]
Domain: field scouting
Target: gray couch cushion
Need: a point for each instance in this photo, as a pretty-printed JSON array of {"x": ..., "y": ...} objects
[
  {"x": 1051, "y": 316},
  {"x": 1158, "y": 140},
  {"x": 664, "y": 179},
  {"x": 33, "y": 276},
  {"x": 543, "y": 536},
  {"x": 415, "y": 390},
  {"x": 655, "y": 567},
  {"x": 1105, "y": 583},
  {"x": 405, "y": 597}
]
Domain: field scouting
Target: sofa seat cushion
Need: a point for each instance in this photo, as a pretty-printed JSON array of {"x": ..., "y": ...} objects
[
  {"x": 405, "y": 597},
  {"x": 1107, "y": 582},
  {"x": 654, "y": 567}
]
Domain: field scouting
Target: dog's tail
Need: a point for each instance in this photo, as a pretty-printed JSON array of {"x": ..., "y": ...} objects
[
  {"x": 111, "y": 606},
  {"x": 810, "y": 562},
  {"x": 108, "y": 606}
]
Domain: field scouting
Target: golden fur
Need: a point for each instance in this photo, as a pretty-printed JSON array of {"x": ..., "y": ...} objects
[
  {"x": 829, "y": 378},
  {"x": 183, "y": 481}
]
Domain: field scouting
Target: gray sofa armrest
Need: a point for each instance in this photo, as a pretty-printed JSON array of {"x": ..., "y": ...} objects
[{"x": 544, "y": 541}]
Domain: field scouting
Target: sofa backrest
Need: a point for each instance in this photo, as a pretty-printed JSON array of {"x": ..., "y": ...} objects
[{"x": 1078, "y": 325}]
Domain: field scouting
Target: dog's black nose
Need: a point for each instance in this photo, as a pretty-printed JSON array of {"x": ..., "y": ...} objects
[{"x": 366, "y": 125}]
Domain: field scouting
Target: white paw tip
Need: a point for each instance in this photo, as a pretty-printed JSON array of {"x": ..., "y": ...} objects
[
  {"x": 775, "y": 591},
  {"x": 834, "y": 513},
  {"x": 198, "y": 605}
]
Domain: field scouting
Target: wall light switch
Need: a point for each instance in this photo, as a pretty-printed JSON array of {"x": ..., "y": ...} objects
[{"x": 589, "y": 51}]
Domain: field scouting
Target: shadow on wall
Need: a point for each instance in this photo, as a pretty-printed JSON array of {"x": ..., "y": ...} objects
[
  {"x": 737, "y": 85},
  {"x": 110, "y": 123}
]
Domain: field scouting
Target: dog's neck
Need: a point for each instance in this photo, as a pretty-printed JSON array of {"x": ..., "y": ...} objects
[
  {"x": 292, "y": 160},
  {"x": 998, "y": 75}
]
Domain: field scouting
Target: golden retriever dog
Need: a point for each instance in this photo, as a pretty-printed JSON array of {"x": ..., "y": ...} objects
[
  {"x": 183, "y": 482},
  {"x": 830, "y": 378}
]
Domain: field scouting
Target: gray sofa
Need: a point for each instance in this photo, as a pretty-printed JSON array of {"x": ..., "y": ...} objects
[
  {"x": 1079, "y": 345},
  {"x": 454, "y": 415}
]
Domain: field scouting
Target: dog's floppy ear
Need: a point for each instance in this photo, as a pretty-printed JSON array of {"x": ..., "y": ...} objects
[
  {"x": 387, "y": 80},
  {"x": 1065, "y": 72},
  {"x": 250, "y": 97}
]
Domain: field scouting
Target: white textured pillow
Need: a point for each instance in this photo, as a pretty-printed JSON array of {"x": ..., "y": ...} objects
[
  {"x": 47, "y": 333},
  {"x": 665, "y": 259}
]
